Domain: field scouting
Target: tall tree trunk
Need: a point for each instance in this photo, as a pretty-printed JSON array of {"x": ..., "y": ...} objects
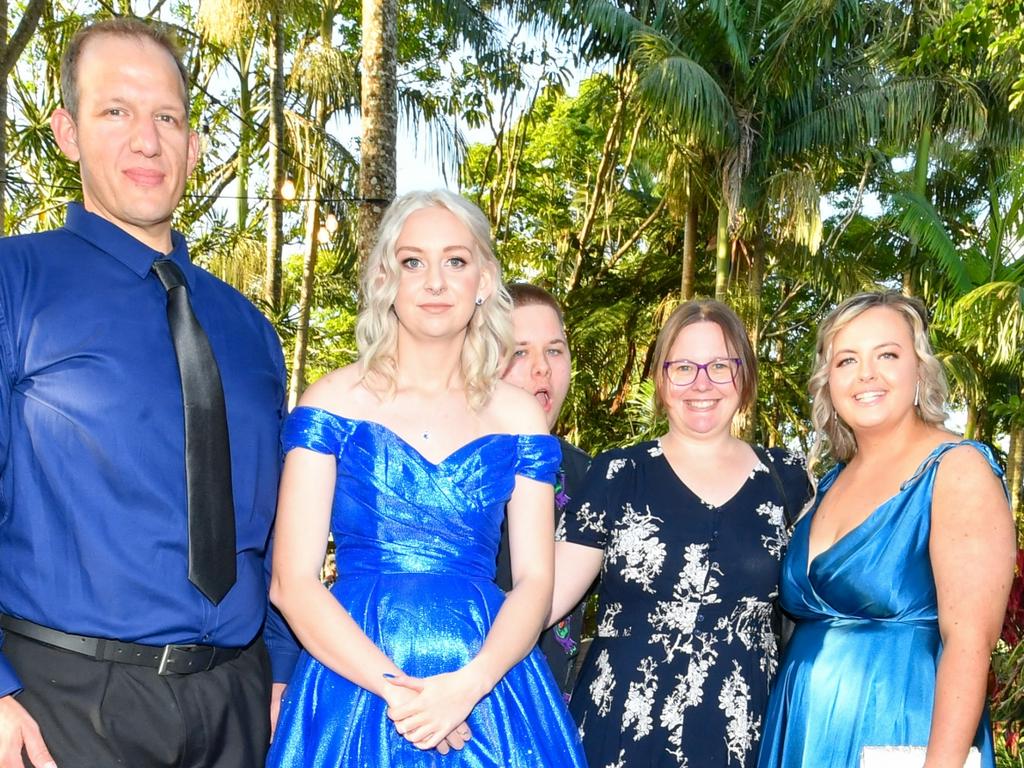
[
  {"x": 309, "y": 259},
  {"x": 379, "y": 117},
  {"x": 244, "y": 134},
  {"x": 722, "y": 250},
  {"x": 755, "y": 281},
  {"x": 689, "y": 245},
  {"x": 1015, "y": 469},
  {"x": 275, "y": 211},
  {"x": 971, "y": 425},
  {"x": 922, "y": 154},
  {"x": 10, "y": 51}
]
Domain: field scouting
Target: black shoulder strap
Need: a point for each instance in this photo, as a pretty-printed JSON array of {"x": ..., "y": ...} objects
[{"x": 765, "y": 459}]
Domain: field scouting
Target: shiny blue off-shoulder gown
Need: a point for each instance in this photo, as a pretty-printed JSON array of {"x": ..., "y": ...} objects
[
  {"x": 860, "y": 667},
  {"x": 416, "y": 545}
]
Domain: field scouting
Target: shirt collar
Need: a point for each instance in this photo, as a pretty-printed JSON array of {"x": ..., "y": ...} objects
[{"x": 113, "y": 240}]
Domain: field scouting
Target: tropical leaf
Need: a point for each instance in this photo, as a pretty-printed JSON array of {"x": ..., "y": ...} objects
[{"x": 917, "y": 218}]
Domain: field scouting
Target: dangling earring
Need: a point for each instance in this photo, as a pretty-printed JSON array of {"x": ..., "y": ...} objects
[
  {"x": 479, "y": 300},
  {"x": 917, "y": 394}
]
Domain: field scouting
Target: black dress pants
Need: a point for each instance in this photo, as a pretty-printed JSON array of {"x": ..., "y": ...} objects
[{"x": 101, "y": 714}]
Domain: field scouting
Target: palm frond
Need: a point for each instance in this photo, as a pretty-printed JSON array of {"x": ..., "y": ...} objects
[{"x": 917, "y": 218}]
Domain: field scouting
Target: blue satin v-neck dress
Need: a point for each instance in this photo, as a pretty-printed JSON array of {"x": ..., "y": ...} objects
[
  {"x": 416, "y": 546},
  {"x": 860, "y": 667}
]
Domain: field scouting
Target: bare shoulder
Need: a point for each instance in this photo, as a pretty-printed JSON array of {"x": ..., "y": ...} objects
[
  {"x": 966, "y": 463},
  {"x": 340, "y": 392},
  {"x": 513, "y": 410},
  {"x": 967, "y": 483}
]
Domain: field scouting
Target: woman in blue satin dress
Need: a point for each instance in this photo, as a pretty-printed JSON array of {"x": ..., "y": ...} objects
[
  {"x": 415, "y": 657},
  {"x": 898, "y": 576}
]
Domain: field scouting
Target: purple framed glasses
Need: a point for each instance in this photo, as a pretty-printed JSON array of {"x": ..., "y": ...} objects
[{"x": 721, "y": 370}]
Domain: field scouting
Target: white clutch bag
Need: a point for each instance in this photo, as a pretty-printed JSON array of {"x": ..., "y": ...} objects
[{"x": 906, "y": 757}]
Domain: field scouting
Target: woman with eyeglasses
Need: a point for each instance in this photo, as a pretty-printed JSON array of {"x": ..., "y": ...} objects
[
  {"x": 687, "y": 532},
  {"x": 899, "y": 574}
]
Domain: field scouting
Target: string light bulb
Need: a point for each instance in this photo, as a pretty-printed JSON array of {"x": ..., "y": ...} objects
[
  {"x": 331, "y": 222},
  {"x": 288, "y": 190}
]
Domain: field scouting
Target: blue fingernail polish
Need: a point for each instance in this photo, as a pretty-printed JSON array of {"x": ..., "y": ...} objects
[{"x": 389, "y": 676}]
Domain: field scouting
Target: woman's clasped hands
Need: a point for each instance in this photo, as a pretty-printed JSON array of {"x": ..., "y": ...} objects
[{"x": 431, "y": 712}]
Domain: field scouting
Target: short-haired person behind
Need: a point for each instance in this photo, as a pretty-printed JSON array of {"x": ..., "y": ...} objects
[
  {"x": 541, "y": 365},
  {"x": 132, "y": 533},
  {"x": 899, "y": 574},
  {"x": 687, "y": 532},
  {"x": 411, "y": 456}
]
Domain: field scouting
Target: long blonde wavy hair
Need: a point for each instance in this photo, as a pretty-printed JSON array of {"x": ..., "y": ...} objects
[
  {"x": 831, "y": 434},
  {"x": 489, "y": 338}
]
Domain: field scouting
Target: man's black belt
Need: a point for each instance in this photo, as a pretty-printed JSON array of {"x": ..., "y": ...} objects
[{"x": 172, "y": 659}]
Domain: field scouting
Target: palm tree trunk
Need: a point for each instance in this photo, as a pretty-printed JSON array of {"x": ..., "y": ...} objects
[
  {"x": 244, "y": 137},
  {"x": 971, "y": 425},
  {"x": 309, "y": 258},
  {"x": 379, "y": 117},
  {"x": 689, "y": 245},
  {"x": 722, "y": 250},
  {"x": 1015, "y": 469},
  {"x": 922, "y": 154},
  {"x": 275, "y": 211},
  {"x": 298, "y": 378}
]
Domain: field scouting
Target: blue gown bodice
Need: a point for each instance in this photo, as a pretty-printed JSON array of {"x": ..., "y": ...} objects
[{"x": 415, "y": 546}]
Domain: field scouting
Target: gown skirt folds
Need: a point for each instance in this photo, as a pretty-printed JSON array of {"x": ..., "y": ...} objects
[
  {"x": 860, "y": 667},
  {"x": 416, "y": 544}
]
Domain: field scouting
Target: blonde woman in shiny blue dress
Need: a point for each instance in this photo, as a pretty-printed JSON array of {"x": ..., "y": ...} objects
[
  {"x": 898, "y": 576},
  {"x": 415, "y": 657}
]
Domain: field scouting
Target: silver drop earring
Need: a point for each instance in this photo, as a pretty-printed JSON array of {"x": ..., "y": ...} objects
[{"x": 917, "y": 394}]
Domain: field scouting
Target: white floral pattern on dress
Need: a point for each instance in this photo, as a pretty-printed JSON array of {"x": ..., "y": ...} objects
[
  {"x": 775, "y": 542},
  {"x": 614, "y": 466},
  {"x": 606, "y": 627},
  {"x": 689, "y": 690},
  {"x": 591, "y": 521},
  {"x": 640, "y": 700},
  {"x": 602, "y": 687},
  {"x": 675, "y": 619},
  {"x": 741, "y": 730},
  {"x": 635, "y": 542}
]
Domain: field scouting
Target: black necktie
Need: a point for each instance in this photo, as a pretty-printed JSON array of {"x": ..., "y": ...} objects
[{"x": 211, "y": 510}]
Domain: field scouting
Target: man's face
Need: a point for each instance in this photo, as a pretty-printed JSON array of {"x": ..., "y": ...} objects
[
  {"x": 540, "y": 363},
  {"x": 131, "y": 137}
]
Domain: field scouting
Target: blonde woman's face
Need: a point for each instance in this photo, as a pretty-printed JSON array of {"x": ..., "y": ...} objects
[
  {"x": 874, "y": 371},
  {"x": 440, "y": 274}
]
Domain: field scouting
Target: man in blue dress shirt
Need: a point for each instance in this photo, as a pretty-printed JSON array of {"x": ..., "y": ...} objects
[{"x": 103, "y": 629}]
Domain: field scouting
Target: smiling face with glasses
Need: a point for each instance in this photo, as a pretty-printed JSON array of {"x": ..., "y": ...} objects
[{"x": 698, "y": 385}]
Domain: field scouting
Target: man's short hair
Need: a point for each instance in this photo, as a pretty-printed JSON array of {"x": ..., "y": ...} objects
[
  {"x": 127, "y": 27},
  {"x": 530, "y": 295}
]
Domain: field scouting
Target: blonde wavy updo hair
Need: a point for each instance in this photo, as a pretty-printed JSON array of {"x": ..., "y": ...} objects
[
  {"x": 489, "y": 337},
  {"x": 831, "y": 434}
]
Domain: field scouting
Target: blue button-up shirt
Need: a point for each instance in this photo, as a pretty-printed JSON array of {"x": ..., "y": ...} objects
[{"x": 93, "y": 510}]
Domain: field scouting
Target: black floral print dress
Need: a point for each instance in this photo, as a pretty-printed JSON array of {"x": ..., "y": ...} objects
[{"x": 685, "y": 651}]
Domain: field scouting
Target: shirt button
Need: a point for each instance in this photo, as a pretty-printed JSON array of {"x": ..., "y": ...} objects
[{"x": 700, "y": 617}]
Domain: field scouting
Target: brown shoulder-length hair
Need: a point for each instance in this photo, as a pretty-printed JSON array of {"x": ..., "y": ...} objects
[
  {"x": 831, "y": 435},
  {"x": 736, "y": 339}
]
